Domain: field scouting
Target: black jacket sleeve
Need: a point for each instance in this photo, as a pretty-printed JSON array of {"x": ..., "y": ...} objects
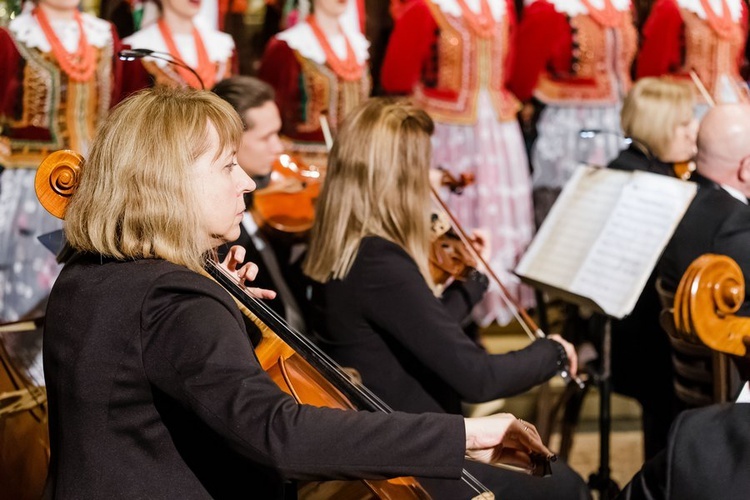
[
  {"x": 196, "y": 351},
  {"x": 460, "y": 297},
  {"x": 398, "y": 300}
]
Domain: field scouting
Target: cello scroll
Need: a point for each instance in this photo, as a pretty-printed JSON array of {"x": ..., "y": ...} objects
[{"x": 706, "y": 302}]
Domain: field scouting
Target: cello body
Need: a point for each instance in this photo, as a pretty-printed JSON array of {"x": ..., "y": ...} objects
[
  {"x": 311, "y": 378},
  {"x": 305, "y": 377},
  {"x": 24, "y": 436}
]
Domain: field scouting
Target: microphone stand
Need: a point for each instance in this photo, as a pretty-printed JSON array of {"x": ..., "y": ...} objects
[{"x": 133, "y": 54}]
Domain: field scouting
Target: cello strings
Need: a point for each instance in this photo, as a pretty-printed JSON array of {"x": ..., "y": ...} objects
[{"x": 470, "y": 480}]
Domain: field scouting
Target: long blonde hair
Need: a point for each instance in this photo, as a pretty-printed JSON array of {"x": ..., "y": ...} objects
[
  {"x": 137, "y": 197},
  {"x": 376, "y": 185}
]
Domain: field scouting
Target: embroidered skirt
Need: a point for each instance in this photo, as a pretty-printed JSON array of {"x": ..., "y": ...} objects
[{"x": 499, "y": 200}]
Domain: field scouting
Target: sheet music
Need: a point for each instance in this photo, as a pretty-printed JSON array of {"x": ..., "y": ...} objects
[
  {"x": 566, "y": 236},
  {"x": 605, "y": 234}
]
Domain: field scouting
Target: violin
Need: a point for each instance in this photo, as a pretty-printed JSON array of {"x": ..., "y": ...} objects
[
  {"x": 528, "y": 324},
  {"x": 683, "y": 170},
  {"x": 448, "y": 258},
  {"x": 294, "y": 363},
  {"x": 287, "y": 204},
  {"x": 709, "y": 294}
]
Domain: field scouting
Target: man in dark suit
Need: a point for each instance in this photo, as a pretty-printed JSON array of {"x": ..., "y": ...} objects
[
  {"x": 259, "y": 148},
  {"x": 707, "y": 457},
  {"x": 718, "y": 219}
]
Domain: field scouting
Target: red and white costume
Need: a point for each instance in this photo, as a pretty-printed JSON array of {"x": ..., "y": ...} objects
[
  {"x": 307, "y": 85},
  {"x": 219, "y": 49},
  {"x": 680, "y": 35},
  {"x": 575, "y": 57},
  {"x": 454, "y": 62},
  {"x": 44, "y": 109}
]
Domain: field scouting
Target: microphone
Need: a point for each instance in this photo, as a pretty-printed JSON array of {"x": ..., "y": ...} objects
[{"x": 133, "y": 54}]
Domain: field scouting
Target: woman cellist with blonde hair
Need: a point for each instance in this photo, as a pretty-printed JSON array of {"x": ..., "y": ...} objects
[
  {"x": 380, "y": 313},
  {"x": 154, "y": 389}
]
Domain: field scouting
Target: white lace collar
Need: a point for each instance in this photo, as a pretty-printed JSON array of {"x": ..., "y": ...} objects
[
  {"x": 218, "y": 45},
  {"x": 576, "y": 7},
  {"x": 452, "y": 8},
  {"x": 26, "y": 30},
  {"x": 735, "y": 7},
  {"x": 301, "y": 38}
]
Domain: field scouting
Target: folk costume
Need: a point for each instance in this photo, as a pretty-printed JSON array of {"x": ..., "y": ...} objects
[
  {"x": 574, "y": 56},
  {"x": 60, "y": 78},
  {"x": 313, "y": 75},
  {"x": 209, "y": 52},
  {"x": 707, "y": 36},
  {"x": 453, "y": 56}
]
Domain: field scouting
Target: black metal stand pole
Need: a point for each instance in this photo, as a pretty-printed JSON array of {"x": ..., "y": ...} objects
[{"x": 602, "y": 481}]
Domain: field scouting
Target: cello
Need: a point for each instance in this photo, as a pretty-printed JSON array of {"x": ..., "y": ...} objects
[
  {"x": 24, "y": 437},
  {"x": 291, "y": 360},
  {"x": 709, "y": 294}
]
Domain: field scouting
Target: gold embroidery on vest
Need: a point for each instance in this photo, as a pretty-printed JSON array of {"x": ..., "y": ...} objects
[
  {"x": 593, "y": 79},
  {"x": 710, "y": 55}
]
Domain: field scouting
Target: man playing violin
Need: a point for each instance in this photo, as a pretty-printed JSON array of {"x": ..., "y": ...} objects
[{"x": 259, "y": 148}]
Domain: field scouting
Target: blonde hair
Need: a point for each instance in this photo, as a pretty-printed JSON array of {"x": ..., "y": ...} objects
[
  {"x": 136, "y": 197},
  {"x": 653, "y": 109},
  {"x": 376, "y": 185}
]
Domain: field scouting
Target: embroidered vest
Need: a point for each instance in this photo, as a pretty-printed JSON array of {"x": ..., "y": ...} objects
[
  {"x": 711, "y": 55},
  {"x": 68, "y": 111},
  {"x": 600, "y": 69},
  {"x": 466, "y": 65},
  {"x": 323, "y": 92}
]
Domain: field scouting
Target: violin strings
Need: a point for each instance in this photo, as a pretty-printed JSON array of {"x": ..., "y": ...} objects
[
  {"x": 471, "y": 481},
  {"x": 503, "y": 293},
  {"x": 525, "y": 321}
]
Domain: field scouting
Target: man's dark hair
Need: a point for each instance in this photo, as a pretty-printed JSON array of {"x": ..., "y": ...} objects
[{"x": 243, "y": 93}]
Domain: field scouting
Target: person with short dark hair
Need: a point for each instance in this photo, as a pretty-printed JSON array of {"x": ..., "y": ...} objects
[{"x": 260, "y": 147}]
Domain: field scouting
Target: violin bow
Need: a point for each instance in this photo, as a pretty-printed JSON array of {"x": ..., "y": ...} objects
[
  {"x": 702, "y": 88},
  {"x": 529, "y": 325}
]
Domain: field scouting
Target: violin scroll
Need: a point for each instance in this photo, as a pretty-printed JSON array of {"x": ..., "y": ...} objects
[{"x": 455, "y": 184}]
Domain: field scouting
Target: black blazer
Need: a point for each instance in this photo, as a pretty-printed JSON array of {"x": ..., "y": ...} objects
[
  {"x": 634, "y": 158},
  {"x": 708, "y": 457},
  {"x": 383, "y": 320},
  {"x": 715, "y": 222},
  {"x": 155, "y": 392}
]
